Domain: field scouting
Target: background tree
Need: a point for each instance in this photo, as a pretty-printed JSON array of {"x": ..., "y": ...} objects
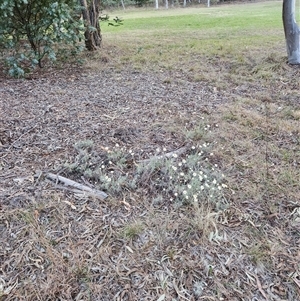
[
  {"x": 32, "y": 30},
  {"x": 91, "y": 12},
  {"x": 291, "y": 30}
]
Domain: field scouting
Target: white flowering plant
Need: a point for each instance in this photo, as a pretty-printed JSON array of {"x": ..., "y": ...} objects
[
  {"x": 177, "y": 178},
  {"x": 185, "y": 178}
]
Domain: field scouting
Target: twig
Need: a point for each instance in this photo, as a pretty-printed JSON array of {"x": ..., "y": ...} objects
[{"x": 56, "y": 178}]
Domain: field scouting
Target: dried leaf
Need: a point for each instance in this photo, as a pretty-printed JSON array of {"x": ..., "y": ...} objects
[{"x": 161, "y": 298}]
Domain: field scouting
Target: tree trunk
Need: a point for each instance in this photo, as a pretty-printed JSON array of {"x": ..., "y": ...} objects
[
  {"x": 91, "y": 14},
  {"x": 291, "y": 30},
  {"x": 123, "y": 5},
  {"x": 156, "y": 4}
]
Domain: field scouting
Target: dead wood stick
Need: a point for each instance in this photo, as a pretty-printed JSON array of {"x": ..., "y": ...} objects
[
  {"x": 56, "y": 178},
  {"x": 177, "y": 152}
]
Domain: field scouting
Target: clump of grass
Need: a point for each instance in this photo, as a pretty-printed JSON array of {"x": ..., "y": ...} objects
[
  {"x": 259, "y": 253},
  {"x": 132, "y": 230}
]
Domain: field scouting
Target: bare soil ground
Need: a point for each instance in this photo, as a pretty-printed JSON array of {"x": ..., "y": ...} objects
[{"x": 59, "y": 245}]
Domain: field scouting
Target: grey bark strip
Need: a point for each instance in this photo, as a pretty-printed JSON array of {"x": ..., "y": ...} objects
[
  {"x": 292, "y": 32},
  {"x": 56, "y": 178}
]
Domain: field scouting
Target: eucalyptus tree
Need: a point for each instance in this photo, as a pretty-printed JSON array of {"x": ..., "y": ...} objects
[
  {"x": 91, "y": 11},
  {"x": 292, "y": 32}
]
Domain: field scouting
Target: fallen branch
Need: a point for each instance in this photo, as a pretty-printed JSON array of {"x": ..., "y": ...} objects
[{"x": 56, "y": 178}]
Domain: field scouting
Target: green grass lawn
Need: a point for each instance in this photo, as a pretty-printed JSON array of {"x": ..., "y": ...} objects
[
  {"x": 222, "y": 17},
  {"x": 183, "y": 38},
  {"x": 217, "y": 23}
]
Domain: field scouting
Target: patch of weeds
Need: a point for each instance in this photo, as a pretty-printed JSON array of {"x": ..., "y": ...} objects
[
  {"x": 286, "y": 155},
  {"x": 82, "y": 275},
  {"x": 139, "y": 50},
  {"x": 197, "y": 133},
  {"x": 141, "y": 60},
  {"x": 288, "y": 178},
  {"x": 268, "y": 66},
  {"x": 27, "y": 217},
  {"x": 171, "y": 253},
  {"x": 259, "y": 253},
  {"x": 82, "y": 161},
  {"x": 290, "y": 113},
  {"x": 200, "y": 78},
  {"x": 260, "y": 135},
  {"x": 203, "y": 219},
  {"x": 132, "y": 230},
  {"x": 125, "y": 59},
  {"x": 53, "y": 242},
  {"x": 230, "y": 116}
]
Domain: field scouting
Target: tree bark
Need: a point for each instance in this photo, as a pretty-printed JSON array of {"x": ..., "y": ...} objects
[
  {"x": 123, "y": 5},
  {"x": 91, "y": 14},
  {"x": 291, "y": 31}
]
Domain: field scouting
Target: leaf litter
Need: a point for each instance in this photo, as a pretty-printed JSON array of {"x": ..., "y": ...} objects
[{"x": 61, "y": 245}]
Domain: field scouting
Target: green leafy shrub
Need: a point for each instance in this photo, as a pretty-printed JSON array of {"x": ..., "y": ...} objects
[{"x": 32, "y": 30}]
